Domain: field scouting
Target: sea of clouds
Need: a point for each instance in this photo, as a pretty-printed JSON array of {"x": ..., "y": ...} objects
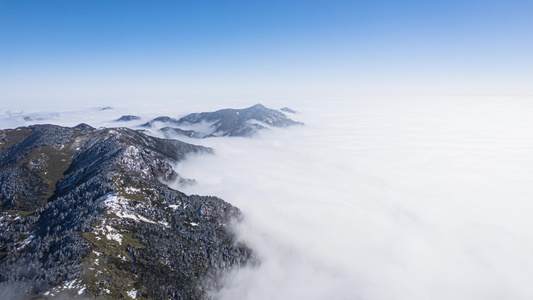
[
  {"x": 385, "y": 199},
  {"x": 375, "y": 198}
]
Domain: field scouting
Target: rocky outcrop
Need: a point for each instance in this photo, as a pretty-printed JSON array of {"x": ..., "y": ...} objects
[{"x": 86, "y": 211}]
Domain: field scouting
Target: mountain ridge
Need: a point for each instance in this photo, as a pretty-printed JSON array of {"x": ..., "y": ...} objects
[
  {"x": 244, "y": 122},
  {"x": 90, "y": 207}
]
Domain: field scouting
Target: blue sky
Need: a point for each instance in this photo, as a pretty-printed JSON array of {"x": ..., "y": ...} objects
[{"x": 120, "y": 49}]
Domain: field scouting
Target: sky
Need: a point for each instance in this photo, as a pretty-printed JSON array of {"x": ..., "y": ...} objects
[{"x": 76, "y": 51}]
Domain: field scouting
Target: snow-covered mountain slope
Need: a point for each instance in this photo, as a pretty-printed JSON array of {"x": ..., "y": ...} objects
[{"x": 87, "y": 211}]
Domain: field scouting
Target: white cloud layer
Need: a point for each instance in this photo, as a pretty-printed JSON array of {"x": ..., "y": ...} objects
[
  {"x": 400, "y": 199},
  {"x": 381, "y": 198}
]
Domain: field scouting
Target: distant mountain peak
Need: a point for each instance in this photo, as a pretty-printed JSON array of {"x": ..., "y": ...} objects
[
  {"x": 288, "y": 110},
  {"x": 258, "y": 106},
  {"x": 225, "y": 122},
  {"x": 127, "y": 118},
  {"x": 162, "y": 119}
]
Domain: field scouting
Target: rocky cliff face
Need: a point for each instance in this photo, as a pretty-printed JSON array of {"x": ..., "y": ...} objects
[{"x": 86, "y": 211}]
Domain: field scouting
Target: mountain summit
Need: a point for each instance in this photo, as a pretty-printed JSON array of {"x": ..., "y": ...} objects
[
  {"x": 226, "y": 122},
  {"x": 86, "y": 211}
]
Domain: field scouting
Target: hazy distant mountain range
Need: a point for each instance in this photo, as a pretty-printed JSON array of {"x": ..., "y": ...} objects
[
  {"x": 87, "y": 211},
  {"x": 226, "y": 122}
]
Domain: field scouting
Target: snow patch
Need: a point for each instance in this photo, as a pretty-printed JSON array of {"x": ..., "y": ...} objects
[
  {"x": 113, "y": 234},
  {"x": 82, "y": 290},
  {"x": 123, "y": 208},
  {"x": 132, "y": 294},
  {"x": 74, "y": 284},
  {"x": 26, "y": 242},
  {"x": 132, "y": 190}
]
